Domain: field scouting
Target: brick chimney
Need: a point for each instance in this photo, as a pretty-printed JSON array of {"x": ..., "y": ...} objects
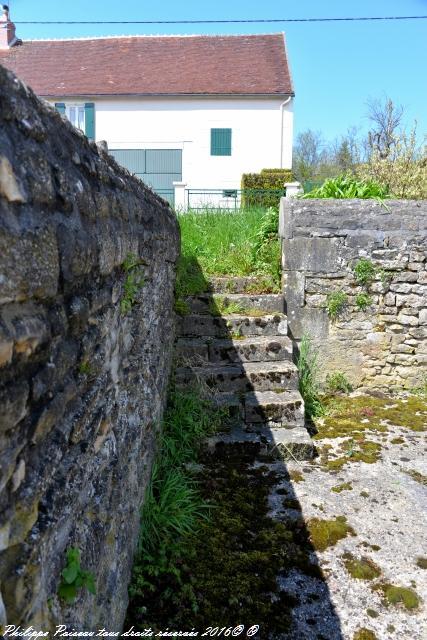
[{"x": 7, "y": 29}]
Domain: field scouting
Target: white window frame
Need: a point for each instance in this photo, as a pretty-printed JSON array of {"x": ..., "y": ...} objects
[{"x": 76, "y": 105}]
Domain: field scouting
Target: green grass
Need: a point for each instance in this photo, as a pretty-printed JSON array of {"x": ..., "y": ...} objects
[
  {"x": 308, "y": 370},
  {"x": 173, "y": 507},
  {"x": 218, "y": 243}
]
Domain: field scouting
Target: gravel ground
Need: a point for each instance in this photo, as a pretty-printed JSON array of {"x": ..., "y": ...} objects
[{"x": 385, "y": 503}]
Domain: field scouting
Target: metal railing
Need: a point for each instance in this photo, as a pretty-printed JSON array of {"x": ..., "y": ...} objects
[{"x": 232, "y": 199}]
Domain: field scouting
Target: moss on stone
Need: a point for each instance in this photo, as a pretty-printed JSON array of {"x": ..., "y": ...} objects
[
  {"x": 422, "y": 563},
  {"x": 398, "y": 595},
  {"x": 345, "y": 486},
  {"x": 364, "y": 494},
  {"x": 398, "y": 440},
  {"x": 357, "y": 415},
  {"x": 361, "y": 569},
  {"x": 228, "y": 570},
  {"x": 364, "y": 634},
  {"x": 326, "y": 533},
  {"x": 355, "y": 450},
  {"x": 372, "y": 613},
  {"x": 416, "y": 475},
  {"x": 296, "y": 476}
]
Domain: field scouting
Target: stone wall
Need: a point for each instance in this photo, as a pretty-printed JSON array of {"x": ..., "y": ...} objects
[
  {"x": 82, "y": 383},
  {"x": 385, "y": 344}
]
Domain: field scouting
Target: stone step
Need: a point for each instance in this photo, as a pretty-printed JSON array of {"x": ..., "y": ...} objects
[
  {"x": 241, "y": 284},
  {"x": 286, "y": 444},
  {"x": 248, "y": 376},
  {"x": 242, "y": 303},
  {"x": 232, "y": 325},
  {"x": 270, "y": 407},
  {"x": 250, "y": 349}
]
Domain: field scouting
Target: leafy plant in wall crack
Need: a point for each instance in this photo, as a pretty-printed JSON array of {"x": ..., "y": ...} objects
[
  {"x": 133, "y": 282},
  {"x": 336, "y": 303},
  {"x": 363, "y": 301},
  {"x": 365, "y": 272},
  {"x": 74, "y": 577}
]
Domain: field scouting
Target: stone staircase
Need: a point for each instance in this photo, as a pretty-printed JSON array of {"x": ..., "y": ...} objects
[{"x": 244, "y": 357}]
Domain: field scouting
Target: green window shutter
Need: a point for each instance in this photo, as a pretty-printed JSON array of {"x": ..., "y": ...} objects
[
  {"x": 220, "y": 142},
  {"x": 90, "y": 120},
  {"x": 60, "y": 107}
]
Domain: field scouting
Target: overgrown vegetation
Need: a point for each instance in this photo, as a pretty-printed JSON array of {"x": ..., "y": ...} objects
[
  {"x": 308, "y": 370},
  {"x": 389, "y": 155},
  {"x": 336, "y": 301},
  {"x": 74, "y": 577},
  {"x": 347, "y": 186},
  {"x": 337, "y": 382},
  {"x": 173, "y": 507},
  {"x": 363, "y": 301},
  {"x": 217, "y": 243},
  {"x": 364, "y": 271}
]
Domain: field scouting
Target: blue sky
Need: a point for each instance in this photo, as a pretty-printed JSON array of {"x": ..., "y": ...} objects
[{"x": 336, "y": 67}]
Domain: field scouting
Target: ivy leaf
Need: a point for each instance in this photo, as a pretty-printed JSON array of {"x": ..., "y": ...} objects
[{"x": 70, "y": 572}]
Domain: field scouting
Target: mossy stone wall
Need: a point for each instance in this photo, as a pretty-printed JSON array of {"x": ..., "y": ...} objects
[
  {"x": 82, "y": 384},
  {"x": 383, "y": 344}
]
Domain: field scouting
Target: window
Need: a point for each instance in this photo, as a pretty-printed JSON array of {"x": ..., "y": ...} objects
[
  {"x": 220, "y": 142},
  {"x": 76, "y": 115},
  {"x": 82, "y": 116}
]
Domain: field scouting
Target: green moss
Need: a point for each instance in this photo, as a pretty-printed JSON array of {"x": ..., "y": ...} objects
[
  {"x": 349, "y": 416},
  {"x": 181, "y": 307},
  {"x": 398, "y": 595},
  {"x": 346, "y": 486},
  {"x": 364, "y": 634},
  {"x": 239, "y": 537},
  {"x": 296, "y": 476},
  {"x": 422, "y": 563},
  {"x": 326, "y": 533},
  {"x": 361, "y": 569},
  {"x": 372, "y": 613},
  {"x": 355, "y": 450},
  {"x": 416, "y": 475},
  {"x": 364, "y": 494},
  {"x": 397, "y": 440}
]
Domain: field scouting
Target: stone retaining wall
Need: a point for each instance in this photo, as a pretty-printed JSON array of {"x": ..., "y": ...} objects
[
  {"x": 384, "y": 345},
  {"x": 82, "y": 382}
]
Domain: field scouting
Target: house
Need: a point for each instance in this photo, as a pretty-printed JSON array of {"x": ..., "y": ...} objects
[{"x": 195, "y": 110}]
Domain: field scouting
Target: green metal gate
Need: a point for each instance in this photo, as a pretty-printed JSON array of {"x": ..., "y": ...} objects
[{"x": 158, "y": 168}]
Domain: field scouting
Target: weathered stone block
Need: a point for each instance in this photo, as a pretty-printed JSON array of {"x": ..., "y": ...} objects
[{"x": 311, "y": 254}]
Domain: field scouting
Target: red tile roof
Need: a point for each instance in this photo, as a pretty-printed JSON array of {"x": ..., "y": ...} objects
[{"x": 153, "y": 65}]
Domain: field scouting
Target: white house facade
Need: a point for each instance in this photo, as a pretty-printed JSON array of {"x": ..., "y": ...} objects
[{"x": 184, "y": 113}]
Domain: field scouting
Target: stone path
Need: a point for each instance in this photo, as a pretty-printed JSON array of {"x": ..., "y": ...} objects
[
  {"x": 385, "y": 503},
  {"x": 361, "y": 515}
]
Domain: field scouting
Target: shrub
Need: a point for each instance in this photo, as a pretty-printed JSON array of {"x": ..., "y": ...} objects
[
  {"x": 265, "y": 188},
  {"x": 346, "y": 186},
  {"x": 335, "y": 303},
  {"x": 337, "y": 382},
  {"x": 403, "y": 172}
]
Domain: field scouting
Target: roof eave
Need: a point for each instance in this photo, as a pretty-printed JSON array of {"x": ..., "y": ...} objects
[{"x": 167, "y": 95}]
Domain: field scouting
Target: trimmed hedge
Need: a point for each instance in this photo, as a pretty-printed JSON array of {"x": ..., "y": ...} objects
[{"x": 264, "y": 189}]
